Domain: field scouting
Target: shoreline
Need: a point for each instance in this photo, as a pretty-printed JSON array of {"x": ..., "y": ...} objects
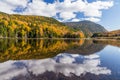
[
  {"x": 43, "y": 38},
  {"x": 107, "y": 38},
  {"x": 97, "y": 38}
]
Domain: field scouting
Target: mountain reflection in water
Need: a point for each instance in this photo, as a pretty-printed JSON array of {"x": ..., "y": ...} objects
[
  {"x": 44, "y": 48},
  {"x": 53, "y": 59}
]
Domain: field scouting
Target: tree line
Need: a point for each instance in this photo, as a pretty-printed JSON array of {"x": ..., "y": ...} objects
[{"x": 18, "y": 26}]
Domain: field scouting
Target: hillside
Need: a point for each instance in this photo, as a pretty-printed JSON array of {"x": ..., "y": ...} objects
[
  {"x": 113, "y": 34},
  {"x": 28, "y": 26},
  {"x": 87, "y": 27}
]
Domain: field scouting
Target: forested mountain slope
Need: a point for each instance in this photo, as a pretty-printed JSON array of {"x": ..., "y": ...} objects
[
  {"x": 28, "y": 26},
  {"x": 87, "y": 27}
]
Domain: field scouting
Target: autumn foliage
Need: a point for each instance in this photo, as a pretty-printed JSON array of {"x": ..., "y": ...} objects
[{"x": 19, "y": 26}]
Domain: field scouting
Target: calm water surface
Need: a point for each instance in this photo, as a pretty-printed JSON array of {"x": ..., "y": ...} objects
[{"x": 47, "y": 59}]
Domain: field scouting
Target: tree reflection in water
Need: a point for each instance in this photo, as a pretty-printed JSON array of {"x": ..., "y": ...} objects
[{"x": 13, "y": 49}]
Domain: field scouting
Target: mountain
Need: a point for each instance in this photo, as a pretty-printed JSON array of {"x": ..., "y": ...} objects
[
  {"x": 87, "y": 27},
  {"x": 28, "y": 26},
  {"x": 112, "y": 34}
]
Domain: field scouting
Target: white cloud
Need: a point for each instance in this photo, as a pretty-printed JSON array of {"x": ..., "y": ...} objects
[
  {"x": 62, "y": 63},
  {"x": 66, "y": 59},
  {"x": 75, "y": 20},
  {"x": 92, "y": 56},
  {"x": 94, "y": 9},
  {"x": 38, "y": 7},
  {"x": 67, "y": 15},
  {"x": 9, "y": 5},
  {"x": 15, "y": 2},
  {"x": 66, "y": 8},
  {"x": 8, "y": 70},
  {"x": 93, "y": 19}
]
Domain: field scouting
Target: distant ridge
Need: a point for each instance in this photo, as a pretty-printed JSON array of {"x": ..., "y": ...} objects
[
  {"x": 88, "y": 27},
  {"x": 112, "y": 34}
]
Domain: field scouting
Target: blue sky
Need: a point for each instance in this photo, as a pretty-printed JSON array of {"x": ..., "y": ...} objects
[
  {"x": 110, "y": 18},
  {"x": 104, "y": 12}
]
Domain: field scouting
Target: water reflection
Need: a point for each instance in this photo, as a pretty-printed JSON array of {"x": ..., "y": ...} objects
[
  {"x": 11, "y": 49},
  {"x": 47, "y": 59},
  {"x": 87, "y": 48},
  {"x": 65, "y": 64},
  {"x": 107, "y": 42}
]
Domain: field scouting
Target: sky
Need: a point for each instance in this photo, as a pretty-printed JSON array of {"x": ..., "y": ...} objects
[{"x": 104, "y": 12}]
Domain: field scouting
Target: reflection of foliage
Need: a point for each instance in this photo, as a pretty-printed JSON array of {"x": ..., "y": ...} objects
[
  {"x": 108, "y": 42},
  {"x": 34, "y": 48},
  {"x": 19, "y": 26},
  {"x": 13, "y": 49}
]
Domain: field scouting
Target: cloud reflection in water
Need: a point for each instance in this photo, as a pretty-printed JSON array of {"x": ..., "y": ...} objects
[{"x": 66, "y": 64}]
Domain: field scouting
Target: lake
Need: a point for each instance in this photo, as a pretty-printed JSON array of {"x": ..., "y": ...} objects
[{"x": 64, "y": 59}]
